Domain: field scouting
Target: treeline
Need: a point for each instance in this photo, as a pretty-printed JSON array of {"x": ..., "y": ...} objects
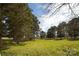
[
  {"x": 64, "y": 30},
  {"x": 17, "y": 22}
]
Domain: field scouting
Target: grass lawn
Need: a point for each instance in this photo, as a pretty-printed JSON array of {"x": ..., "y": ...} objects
[{"x": 43, "y": 48}]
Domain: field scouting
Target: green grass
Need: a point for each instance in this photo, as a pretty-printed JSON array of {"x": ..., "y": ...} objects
[{"x": 43, "y": 48}]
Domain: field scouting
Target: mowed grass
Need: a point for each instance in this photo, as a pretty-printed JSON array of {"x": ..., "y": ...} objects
[{"x": 43, "y": 48}]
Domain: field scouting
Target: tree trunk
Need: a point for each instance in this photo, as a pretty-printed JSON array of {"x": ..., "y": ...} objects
[
  {"x": 16, "y": 40},
  {"x": 0, "y": 43}
]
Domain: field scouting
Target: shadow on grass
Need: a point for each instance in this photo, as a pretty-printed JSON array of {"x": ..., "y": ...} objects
[
  {"x": 54, "y": 39},
  {"x": 8, "y": 43},
  {"x": 73, "y": 39},
  {"x": 70, "y": 39}
]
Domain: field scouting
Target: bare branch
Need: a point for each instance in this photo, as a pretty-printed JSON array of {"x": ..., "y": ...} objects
[
  {"x": 72, "y": 10},
  {"x": 57, "y": 9},
  {"x": 48, "y": 5}
]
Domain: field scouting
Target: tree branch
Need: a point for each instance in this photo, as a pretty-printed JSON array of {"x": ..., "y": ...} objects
[
  {"x": 57, "y": 9},
  {"x": 72, "y": 10}
]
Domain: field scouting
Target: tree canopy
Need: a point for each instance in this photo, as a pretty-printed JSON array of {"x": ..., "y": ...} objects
[{"x": 22, "y": 23}]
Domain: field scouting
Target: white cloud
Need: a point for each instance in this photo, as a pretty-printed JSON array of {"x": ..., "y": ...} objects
[{"x": 47, "y": 21}]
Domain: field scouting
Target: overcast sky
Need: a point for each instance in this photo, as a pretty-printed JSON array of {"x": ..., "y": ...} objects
[{"x": 46, "y": 21}]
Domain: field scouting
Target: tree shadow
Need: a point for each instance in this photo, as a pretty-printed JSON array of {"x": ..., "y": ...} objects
[
  {"x": 7, "y": 44},
  {"x": 73, "y": 39}
]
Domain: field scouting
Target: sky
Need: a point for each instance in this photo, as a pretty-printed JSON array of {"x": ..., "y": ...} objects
[{"x": 46, "y": 21}]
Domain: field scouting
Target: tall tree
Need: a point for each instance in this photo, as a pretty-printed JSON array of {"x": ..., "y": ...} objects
[
  {"x": 62, "y": 29},
  {"x": 23, "y": 23},
  {"x": 0, "y": 28},
  {"x": 73, "y": 27}
]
